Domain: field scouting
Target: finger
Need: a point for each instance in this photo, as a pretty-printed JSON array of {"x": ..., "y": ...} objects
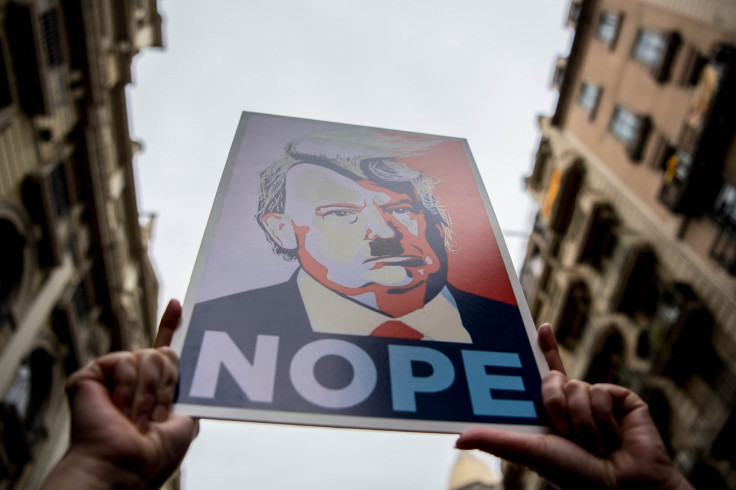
[
  {"x": 548, "y": 344},
  {"x": 116, "y": 372},
  {"x": 582, "y": 423},
  {"x": 603, "y": 406},
  {"x": 177, "y": 433},
  {"x": 123, "y": 382},
  {"x": 554, "y": 457},
  {"x": 555, "y": 400},
  {"x": 166, "y": 388},
  {"x": 150, "y": 369},
  {"x": 169, "y": 322}
]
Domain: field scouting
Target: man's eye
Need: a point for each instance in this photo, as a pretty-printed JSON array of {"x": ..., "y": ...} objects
[
  {"x": 402, "y": 210},
  {"x": 340, "y": 216}
]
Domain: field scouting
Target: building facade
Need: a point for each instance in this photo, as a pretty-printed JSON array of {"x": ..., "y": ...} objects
[
  {"x": 75, "y": 279},
  {"x": 632, "y": 257}
]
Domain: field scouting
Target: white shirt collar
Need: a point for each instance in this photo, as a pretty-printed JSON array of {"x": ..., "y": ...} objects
[{"x": 330, "y": 312}]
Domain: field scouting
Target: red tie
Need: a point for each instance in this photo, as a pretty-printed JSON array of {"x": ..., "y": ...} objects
[{"x": 396, "y": 330}]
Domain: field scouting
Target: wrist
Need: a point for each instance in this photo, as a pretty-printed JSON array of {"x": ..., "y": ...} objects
[{"x": 83, "y": 471}]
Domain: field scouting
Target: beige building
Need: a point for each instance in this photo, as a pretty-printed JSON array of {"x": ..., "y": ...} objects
[
  {"x": 75, "y": 279},
  {"x": 633, "y": 254},
  {"x": 470, "y": 473}
]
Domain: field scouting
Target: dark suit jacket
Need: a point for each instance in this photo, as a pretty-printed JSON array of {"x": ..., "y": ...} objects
[{"x": 279, "y": 310}]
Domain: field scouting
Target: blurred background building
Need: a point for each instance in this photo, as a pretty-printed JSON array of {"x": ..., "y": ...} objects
[
  {"x": 469, "y": 473},
  {"x": 632, "y": 258},
  {"x": 75, "y": 279}
]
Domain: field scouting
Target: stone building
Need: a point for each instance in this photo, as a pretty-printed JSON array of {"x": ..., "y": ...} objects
[
  {"x": 632, "y": 257},
  {"x": 75, "y": 279}
]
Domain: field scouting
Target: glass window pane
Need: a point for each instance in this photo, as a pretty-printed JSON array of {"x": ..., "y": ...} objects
[
  {"x": 649, "y": 47},
  {"x": 608, "y": 27},
  {"x": 624, "y": 125},
  {"x": 588, "y": 99}
]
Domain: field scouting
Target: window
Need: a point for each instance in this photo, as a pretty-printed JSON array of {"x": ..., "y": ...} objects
[
  {"x": 559, "y": 76},
  {"x": 599, "y": 243},
  {"x": 723, "y": 249},
  {"x": 694, "y": 64},
  {"x": 588, "y": 99},
  {"x": 662, "y": 153},
  {"x": 5, "y": 95},
  {"x": 630, "y": 129},
  {"x": 656, "y": 50},
  {"x": 607, "y": 30},
  {"x": 574, "y": 15},
  {"x": 60, "y": 192},
  {"x": 50, "y": 27},
  {"x": 574, "y": 316},
  {"x": 11, "y": 276},
  {"x": 725, "y": 204},
  {"x": 624, "y": 125},
  {"x": 649, "y": 47}
]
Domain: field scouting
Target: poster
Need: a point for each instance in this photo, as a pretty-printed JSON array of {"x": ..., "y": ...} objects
[{"x": 355, "y": 277}]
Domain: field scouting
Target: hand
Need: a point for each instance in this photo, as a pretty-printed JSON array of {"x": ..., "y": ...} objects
[
  {"x": 606, "y": 438},
  {"x": 123, "y": 432}
]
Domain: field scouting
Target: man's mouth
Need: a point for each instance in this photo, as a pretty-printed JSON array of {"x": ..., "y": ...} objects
[{"x": 403, "y": 260}]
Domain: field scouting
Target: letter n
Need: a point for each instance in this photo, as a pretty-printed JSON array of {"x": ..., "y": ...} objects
[{"x": 255, "y": 379}]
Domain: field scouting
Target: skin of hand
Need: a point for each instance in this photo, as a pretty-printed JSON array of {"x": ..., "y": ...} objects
[
  {"x": 123, "y": 432},
  {"x": 605, "y": 436}
]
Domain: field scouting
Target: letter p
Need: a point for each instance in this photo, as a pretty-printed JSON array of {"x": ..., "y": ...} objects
[{"x": 404, "y": 384}]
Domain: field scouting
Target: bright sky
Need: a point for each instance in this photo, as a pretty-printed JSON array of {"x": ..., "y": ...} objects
[{"x": 477, "y": 69}]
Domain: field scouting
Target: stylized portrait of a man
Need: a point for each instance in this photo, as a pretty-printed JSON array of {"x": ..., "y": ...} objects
[{"x": 370, "y": 238}]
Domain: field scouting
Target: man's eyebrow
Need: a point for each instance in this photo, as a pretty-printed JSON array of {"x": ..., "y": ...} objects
[
  {"x": 399, "y": 203},
  {"x": 339, "y": 205}
]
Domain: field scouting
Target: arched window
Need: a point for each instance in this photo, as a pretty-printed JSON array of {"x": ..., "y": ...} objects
[
  {"x": 574, "y": 315},
  {"x": 23, "y": 409},
  {"x": 607, "y": 358},
  {"x": 16, "y": 272}
]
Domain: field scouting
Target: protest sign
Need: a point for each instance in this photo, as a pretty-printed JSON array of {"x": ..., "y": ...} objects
[{"x": 356, "y": 277}]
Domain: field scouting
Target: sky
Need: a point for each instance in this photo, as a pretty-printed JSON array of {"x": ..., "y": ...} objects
[{"x": 476, "y": 69}]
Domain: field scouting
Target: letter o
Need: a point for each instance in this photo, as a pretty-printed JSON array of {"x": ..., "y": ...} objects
[{"x": 302, "y": 374}]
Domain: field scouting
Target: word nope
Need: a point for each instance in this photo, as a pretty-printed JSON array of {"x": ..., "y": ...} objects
[{"x": 256, "y": 377}]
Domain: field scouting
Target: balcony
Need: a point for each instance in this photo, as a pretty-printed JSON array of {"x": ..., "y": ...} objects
[{"x": 693, "y": 174}]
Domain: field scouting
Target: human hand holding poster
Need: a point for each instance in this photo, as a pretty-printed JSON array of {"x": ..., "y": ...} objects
[{"x": 356, "y": 277}]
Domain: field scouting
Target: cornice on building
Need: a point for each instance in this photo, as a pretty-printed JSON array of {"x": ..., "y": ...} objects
[{"x": 720, "y": 14}]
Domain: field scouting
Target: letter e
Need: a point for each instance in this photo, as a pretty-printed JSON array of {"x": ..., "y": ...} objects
[{"x": 480, "y": 385}]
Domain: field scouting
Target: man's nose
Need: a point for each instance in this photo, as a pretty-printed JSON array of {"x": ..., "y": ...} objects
[{"x": 377, "y": 225}]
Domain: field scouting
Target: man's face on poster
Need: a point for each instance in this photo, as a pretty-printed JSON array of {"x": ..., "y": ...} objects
[{"x": 352, "y": 236}]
